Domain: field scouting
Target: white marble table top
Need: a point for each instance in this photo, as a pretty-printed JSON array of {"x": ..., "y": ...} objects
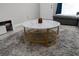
[{"x": 46, "y": 24}]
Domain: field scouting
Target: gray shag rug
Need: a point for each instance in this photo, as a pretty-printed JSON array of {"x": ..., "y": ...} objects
[{"x": 68, "y": 44}]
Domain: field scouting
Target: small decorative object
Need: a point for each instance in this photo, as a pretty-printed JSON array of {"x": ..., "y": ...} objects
[
  {"x": 77, "y": 13},
  {"x": 40, "y": 20}
]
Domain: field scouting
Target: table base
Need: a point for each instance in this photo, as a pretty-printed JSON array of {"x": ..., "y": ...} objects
[{"x": 44, "y": 37}]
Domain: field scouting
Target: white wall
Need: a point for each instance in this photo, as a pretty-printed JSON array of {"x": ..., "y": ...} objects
[
  {"x": 70, "y": 8},
  {"x": 19, "y": 12},
  {"x": 54, "y": 8},
  {"x": 45, "y": 10}
]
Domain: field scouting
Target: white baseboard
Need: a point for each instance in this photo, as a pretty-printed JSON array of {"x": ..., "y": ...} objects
[
  {"x": 17, "y": 26},
  {"x": 2, "y": 30}
]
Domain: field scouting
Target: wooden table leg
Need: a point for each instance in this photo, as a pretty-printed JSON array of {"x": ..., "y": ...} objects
[
  {"x": 58, "y": 30},
  {"x": 24, "y": 35},
  {"x": 47, "y": 40}
]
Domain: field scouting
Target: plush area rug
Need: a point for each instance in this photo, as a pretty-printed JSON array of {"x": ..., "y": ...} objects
[{"x": 12, "y": 44}]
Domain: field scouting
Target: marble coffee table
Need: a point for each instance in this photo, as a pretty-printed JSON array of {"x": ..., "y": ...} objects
[{"x": 45, "y": 25}]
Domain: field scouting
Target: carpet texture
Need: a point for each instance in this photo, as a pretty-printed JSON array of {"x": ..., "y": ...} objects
[{"x": 67, "y": 44}]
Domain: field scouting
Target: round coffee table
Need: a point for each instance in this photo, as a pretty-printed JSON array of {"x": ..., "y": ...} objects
[{"x": 45, "y": 25}]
